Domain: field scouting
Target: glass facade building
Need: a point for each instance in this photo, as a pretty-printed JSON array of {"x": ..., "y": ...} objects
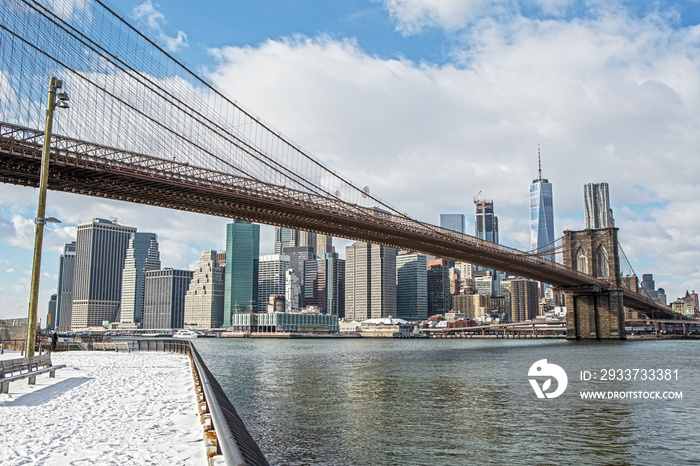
[
  {"x": 542, "y": 217},
  {"x": 241, "y": 270},
  {"x": 271, "y": 278},
  {"x": 596, "y": 205},
  {"x": 454, "y": 222},
  {"x": 412, "y": 287},
  {"x": 64, "y": 293},
  {"x": 324, "y": 284}
]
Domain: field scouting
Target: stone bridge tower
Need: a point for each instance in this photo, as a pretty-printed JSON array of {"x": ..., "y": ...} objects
[{"x": 593, "y": 313}]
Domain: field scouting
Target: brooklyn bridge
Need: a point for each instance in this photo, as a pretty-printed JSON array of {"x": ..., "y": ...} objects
[{"x": 149, "y": 130}]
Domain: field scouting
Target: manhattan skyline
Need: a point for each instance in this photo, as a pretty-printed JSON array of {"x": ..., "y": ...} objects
[{"x": 446, "y": 107}]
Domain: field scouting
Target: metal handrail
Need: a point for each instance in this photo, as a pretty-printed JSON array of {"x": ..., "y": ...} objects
[{"x": 234, "y": 442}]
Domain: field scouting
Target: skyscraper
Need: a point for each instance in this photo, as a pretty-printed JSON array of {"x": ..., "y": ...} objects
[
  {"x": 411, "y": 286},
  {"x": 64, "y": 292},
  {"x": 486, "y": 227},
  {"x": 241, "y": 271},
  {"x": 308, "y": 239},
  {"x": 486, "y": 222},
  {"x": 439, "y": 297},
  {"x": 99, "y": 263},
  {"x": 285, "y": 238},
  {"x": 164, "y": 298},
  {"x": 596, "y": 204},
  {"x": 324, "y": 244},
  {"x": 454, "y": 222},
  {"x": 204, "y": 301},
  {"x": 141, "y": 255},
  {"x": 370, "y": 281},
  {"x": 297, "y": 256},
  {"x": 523, "y": 299},
  {"x": 271, "y": 278},
  {"x": 541, "y": 216},
  {"x": 324, "y": 281}
]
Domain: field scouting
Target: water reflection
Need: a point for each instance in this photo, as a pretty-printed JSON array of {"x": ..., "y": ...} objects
[{"x": 447, "y": 402}]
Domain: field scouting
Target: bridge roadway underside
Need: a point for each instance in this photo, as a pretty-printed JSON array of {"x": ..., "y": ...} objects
[{"x": 82, "y": 168}]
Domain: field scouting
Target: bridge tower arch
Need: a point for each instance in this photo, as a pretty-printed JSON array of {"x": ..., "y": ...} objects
[{"x": 593, "y": 313}]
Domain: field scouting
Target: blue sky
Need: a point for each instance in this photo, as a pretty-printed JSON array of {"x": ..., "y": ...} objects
[{"x": 429, "y": 103}]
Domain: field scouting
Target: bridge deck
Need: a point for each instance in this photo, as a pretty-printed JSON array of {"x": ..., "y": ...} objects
[{"x": 89, "y": 169}]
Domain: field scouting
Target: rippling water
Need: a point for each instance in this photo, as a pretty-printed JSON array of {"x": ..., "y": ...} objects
[{"x": 453, "y": 402}]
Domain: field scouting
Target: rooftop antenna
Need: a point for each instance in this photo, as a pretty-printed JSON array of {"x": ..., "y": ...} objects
[{"x": 539, "y": 161}]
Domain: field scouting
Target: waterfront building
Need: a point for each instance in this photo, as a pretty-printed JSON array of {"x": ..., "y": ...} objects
[
  {"x": 292, "y": 291},
  {"x": 687, "y": 305},
  {"x": 596, "y": 204},
  {"x": 370, "y": 281},
  {"x": 388, "y": 327},
  {"x": 64, "y": 292},
  {"x": 271, "y": 278},
  {"x": 454, "y": 222},
  {"x": 411, "y": 286},
  {"x": 241, "y": 269},
  {"x": 524, "y": 302},
  {"x": 285, "y": 323},
  {"x": 285, "y": 238},
  {"x": 204, "y": 301},
  {"x": 51, "y": 313},
  {"x": 141, "y": 255},
  {"x": 438, "y": 278},
  {"x": 99, "y": 263},
  {"x": 164, "y": 298},
  {"x": 324, "y": 284}
]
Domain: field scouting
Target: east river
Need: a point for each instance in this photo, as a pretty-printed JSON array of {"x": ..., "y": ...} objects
[{"x": 454, "y": 402}]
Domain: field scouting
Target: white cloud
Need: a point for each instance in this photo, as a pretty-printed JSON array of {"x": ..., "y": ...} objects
[
  {"x": 612, "y": 99},
  {"x": 155, "y": 19},
  {"x": 413, "y": 15}
]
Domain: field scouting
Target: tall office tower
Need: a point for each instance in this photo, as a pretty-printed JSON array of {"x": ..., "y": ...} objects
[
  {"x": 297, "y": 256},
  {"x": 241, "y": 271},
  {"x": 523, "y": 299},
  {"x": 292, "y": 292},
  {"x": 370, "y": 281},
  {"x": 486, "y": 227},
  {"x": 306, "y": 238},
  {"x": 99, "y": 263},
  {"x": 439, "y": 296},
  {"x": 486, "y": 222},
  {"x": 51, "y": 314},
  {"x": 164, "y": 298},
  {"x": 411, "y": 286},
  {"x": 204, "y": 301},
  {"x": 650, "y": 288},
  {"x": 271, "y": 278},
  {"x": 541, "y": 216},
  {"x": 596, "y": 205},
  {"x": 285, "y": 238},
  {"x": 454, "y": 222},
  {"x": 324, "y": 284},
  {"x": 142, "y": 255},
  {"x": 324, "y": 244},
  {"x": 64, "y": 292}
]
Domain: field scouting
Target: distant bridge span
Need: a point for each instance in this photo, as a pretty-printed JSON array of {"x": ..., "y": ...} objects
[{"x": 84, "y": 168}]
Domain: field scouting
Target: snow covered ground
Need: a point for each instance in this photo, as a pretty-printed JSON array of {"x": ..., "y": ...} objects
[{"x": 104, "y": 408}]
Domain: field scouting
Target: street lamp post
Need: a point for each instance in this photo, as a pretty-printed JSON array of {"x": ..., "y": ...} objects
[{"x": 40, "y": 221}]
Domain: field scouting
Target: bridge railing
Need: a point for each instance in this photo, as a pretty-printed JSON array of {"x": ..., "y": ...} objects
[{"x": 233, "y": 439}]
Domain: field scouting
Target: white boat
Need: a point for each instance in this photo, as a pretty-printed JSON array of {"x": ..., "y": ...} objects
[{"x": 184, "y": 333}]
